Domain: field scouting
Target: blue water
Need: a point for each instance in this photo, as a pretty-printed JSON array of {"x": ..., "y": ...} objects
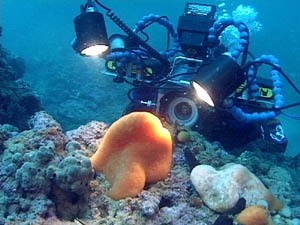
[{"x": 41, "y": 31}]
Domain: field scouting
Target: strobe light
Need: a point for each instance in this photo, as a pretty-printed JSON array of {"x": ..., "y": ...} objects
[
  {"x": 215, "y": 81},
  {"x": 91, "y": 36}
]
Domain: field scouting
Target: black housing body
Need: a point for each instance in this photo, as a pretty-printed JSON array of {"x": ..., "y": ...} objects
[{"x": 90, "y": 30}]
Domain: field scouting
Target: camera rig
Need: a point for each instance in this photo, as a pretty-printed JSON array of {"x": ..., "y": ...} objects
[{"x": 173, "y": 84}]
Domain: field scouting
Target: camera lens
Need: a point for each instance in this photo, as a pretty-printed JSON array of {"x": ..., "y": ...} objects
[{"x": 183, "y": 110}]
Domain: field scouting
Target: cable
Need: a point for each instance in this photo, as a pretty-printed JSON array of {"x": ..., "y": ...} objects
[
  {"x": 275, "y": 67},
  {"x": 164, "y": 80},
  {"x": 164, "y": 62},
  {"x": 295, "y": 117},
  {"x": 289, "y": 106},
  {"x": 103, "y": 6},
  {"x": 146, "y": 35},
  {"x": 183, "y": 58},
  {"x": 251, "y": 55},
  {"x": 279, "y": 70},
  {"x": 150, "y": 23}
]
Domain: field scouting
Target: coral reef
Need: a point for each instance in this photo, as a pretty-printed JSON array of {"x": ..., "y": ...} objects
[
  {"x": 46, "y": 178},
  {"x": 17, "y": 101},
  {"x": 86, "y": 136},
  {"x": 6, "y": 131},
  {"x": 136, "y": 150},
  {"x": 36, "y": 173}
]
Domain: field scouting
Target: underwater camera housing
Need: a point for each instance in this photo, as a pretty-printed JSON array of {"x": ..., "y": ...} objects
[
  {"x": 169, "y": 92},
  {"x": 173, "y": 99}
]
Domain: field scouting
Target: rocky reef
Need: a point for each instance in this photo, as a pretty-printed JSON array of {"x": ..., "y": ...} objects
[
  {"x": 17, "y": 101},
  {"x": 46, "y": 178}
]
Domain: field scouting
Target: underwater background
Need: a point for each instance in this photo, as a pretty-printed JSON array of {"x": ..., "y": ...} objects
[
  {"x": 46, "y": 172},
  {"x": 72, "y": 88}
]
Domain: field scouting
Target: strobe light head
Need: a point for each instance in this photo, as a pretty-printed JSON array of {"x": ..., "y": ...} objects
[
  {"x": 91, "y": 35},
  {"x": 202, "y": 93},
  {"x": 215, "y": 81},
  {"x": 193, "y": 28}
]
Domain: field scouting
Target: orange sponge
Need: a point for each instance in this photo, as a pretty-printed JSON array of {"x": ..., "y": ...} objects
[
  {"x": 254, "y": 215},
  {"x": 136, "y": 150}
]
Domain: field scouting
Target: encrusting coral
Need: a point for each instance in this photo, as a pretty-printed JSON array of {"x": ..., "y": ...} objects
[{"x": 136, "y": 150}]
